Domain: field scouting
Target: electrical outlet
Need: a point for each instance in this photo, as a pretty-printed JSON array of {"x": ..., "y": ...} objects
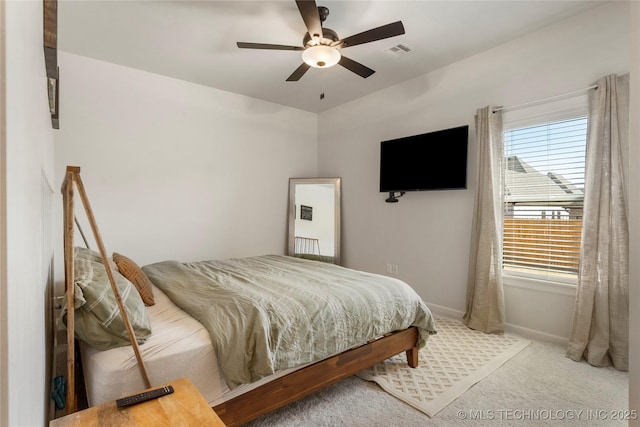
[{"x": 394, "y": 269}]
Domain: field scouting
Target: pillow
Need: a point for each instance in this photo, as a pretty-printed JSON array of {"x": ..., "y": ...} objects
[
  {"x": 135, "y": 275},
  {"x": 97, "y": 317},
  {"x": 91, "y": 255}
]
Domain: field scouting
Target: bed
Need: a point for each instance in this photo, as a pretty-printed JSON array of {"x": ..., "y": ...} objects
[{"x": 312, "y": 324}]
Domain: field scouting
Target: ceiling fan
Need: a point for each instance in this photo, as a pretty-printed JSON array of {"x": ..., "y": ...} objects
[{"x": 321, "y": 46}]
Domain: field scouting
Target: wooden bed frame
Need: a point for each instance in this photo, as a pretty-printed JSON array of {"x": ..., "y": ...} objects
[
  {"x": 256, "y": 402},
  {"x": 312, "y": 378}
]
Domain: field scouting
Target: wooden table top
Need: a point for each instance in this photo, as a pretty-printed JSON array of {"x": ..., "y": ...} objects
[{"x": 184, "y": 407}]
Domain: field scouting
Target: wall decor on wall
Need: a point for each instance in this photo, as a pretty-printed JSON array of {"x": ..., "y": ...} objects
[
  {"x": 50, "y": 42},
  {"x": 53, "y": 97},
  {"x": 306, "y": 212}
]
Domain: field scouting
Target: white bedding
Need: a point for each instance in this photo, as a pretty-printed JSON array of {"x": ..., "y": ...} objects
[{"x": 178, "y": 347}]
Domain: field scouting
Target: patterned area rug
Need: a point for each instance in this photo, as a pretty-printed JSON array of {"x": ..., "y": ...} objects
[{"x": 453, "y": 360}]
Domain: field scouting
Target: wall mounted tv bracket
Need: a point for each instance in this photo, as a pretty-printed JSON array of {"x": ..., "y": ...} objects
[{"x": 393, "y": 198}]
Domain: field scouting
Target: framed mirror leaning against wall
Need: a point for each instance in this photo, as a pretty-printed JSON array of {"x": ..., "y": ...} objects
[{"x": 314, "y": 219}]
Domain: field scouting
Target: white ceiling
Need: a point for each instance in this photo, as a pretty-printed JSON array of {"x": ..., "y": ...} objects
[{"x": 196, "y": 40}]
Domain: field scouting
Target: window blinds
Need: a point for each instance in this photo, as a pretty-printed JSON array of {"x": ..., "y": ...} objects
[{"x": 543, "y": 196}]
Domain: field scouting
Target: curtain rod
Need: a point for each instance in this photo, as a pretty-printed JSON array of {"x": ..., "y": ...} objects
[{"x": 562, "y": 95}]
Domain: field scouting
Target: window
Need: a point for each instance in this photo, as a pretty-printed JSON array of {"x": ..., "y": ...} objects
[{"x": 543, "y": 199}]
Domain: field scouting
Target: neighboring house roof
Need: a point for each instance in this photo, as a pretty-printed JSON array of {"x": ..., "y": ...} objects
[{"x": 523, "y": 184}]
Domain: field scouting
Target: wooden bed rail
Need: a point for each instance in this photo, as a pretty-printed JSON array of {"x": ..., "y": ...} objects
[
  {"x": 300, "y": 383},
  {"x": 72, "y": 181}
]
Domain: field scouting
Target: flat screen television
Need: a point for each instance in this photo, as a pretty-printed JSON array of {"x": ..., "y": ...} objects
[{"x": 429, "y": 161}]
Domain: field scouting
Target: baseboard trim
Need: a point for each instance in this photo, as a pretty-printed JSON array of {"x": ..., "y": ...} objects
[
  {"x": 535, "y": 335},
  {"x": 451, "y": 313},
  {"x": 443, "y": 311}
]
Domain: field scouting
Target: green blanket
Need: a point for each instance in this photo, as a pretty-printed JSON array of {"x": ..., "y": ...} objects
[{"x": 274, "y": 312}]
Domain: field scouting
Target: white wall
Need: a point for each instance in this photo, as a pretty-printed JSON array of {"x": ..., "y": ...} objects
[
  {"x": 4, "y": 345},
  {"x": 28, "y": 162},
  {"x": 427, "y": 234},
  {"x": 175, "y": 170}
]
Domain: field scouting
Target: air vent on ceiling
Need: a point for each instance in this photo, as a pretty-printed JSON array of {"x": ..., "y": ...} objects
[{"x": 400, "y": 49}]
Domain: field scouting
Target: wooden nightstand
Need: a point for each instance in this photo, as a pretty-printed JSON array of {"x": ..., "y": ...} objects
[{"x": 184, "y": 407}]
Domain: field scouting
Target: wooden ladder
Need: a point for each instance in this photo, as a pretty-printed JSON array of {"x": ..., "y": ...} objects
[{"x": 72, "y": 181}]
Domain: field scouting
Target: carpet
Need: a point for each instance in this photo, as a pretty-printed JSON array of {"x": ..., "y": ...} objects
[{"x": 453, "y": 360}]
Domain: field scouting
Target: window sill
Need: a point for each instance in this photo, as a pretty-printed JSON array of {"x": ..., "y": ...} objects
[{"x": 562, "y": 286}]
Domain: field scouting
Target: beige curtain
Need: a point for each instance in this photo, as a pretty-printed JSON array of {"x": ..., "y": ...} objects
[
  {"x": 485, "y": 298},
  {"x": 601, "y": 317}
]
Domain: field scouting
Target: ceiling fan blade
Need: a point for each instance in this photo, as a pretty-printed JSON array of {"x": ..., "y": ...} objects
[
  {"x": 311, "y": 17},
  {"x": 379, "y": 33},
  {"x": 244, "y": 45},
  {"x": 299, "y": 72},
  {"x": 356, "y": 67}
]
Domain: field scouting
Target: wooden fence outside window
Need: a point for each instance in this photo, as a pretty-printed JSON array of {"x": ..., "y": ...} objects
[{"x": 551, "y": 245}]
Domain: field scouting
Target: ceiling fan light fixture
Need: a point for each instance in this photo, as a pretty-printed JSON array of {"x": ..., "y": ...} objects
[{"x": 321, "y": 56}]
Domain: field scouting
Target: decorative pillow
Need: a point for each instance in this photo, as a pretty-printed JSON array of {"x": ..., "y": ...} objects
[
  {"x": 135, "y": 275},
  {"x": 97, "y": 317}
]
